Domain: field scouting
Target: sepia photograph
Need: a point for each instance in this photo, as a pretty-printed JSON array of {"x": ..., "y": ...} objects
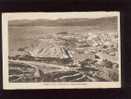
[{"x": 61, "y": 50}]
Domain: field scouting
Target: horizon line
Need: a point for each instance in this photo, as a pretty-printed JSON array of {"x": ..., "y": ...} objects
[{"x": 59, "y": 18}]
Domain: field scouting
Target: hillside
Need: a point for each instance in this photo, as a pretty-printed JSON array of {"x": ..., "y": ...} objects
[{"x": 64, "y": 50}]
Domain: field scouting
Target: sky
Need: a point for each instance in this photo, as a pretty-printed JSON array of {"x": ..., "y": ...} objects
[{"x": 58, "y": 15}]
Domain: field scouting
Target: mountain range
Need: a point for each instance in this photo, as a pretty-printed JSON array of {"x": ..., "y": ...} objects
[{"x": 111, "y": 21}]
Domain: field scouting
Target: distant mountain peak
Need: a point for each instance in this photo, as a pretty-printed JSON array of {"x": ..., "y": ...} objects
[{"x": 64, "y": 22}]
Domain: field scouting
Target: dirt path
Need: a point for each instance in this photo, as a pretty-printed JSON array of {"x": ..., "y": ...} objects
[{"x": 44, "y": 67}]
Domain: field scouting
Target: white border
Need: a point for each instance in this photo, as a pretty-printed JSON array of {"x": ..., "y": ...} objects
[{"x": 51, "y": 85}]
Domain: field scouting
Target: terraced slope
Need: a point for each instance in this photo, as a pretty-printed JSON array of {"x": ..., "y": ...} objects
[{"x": 30, "y": 71}]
